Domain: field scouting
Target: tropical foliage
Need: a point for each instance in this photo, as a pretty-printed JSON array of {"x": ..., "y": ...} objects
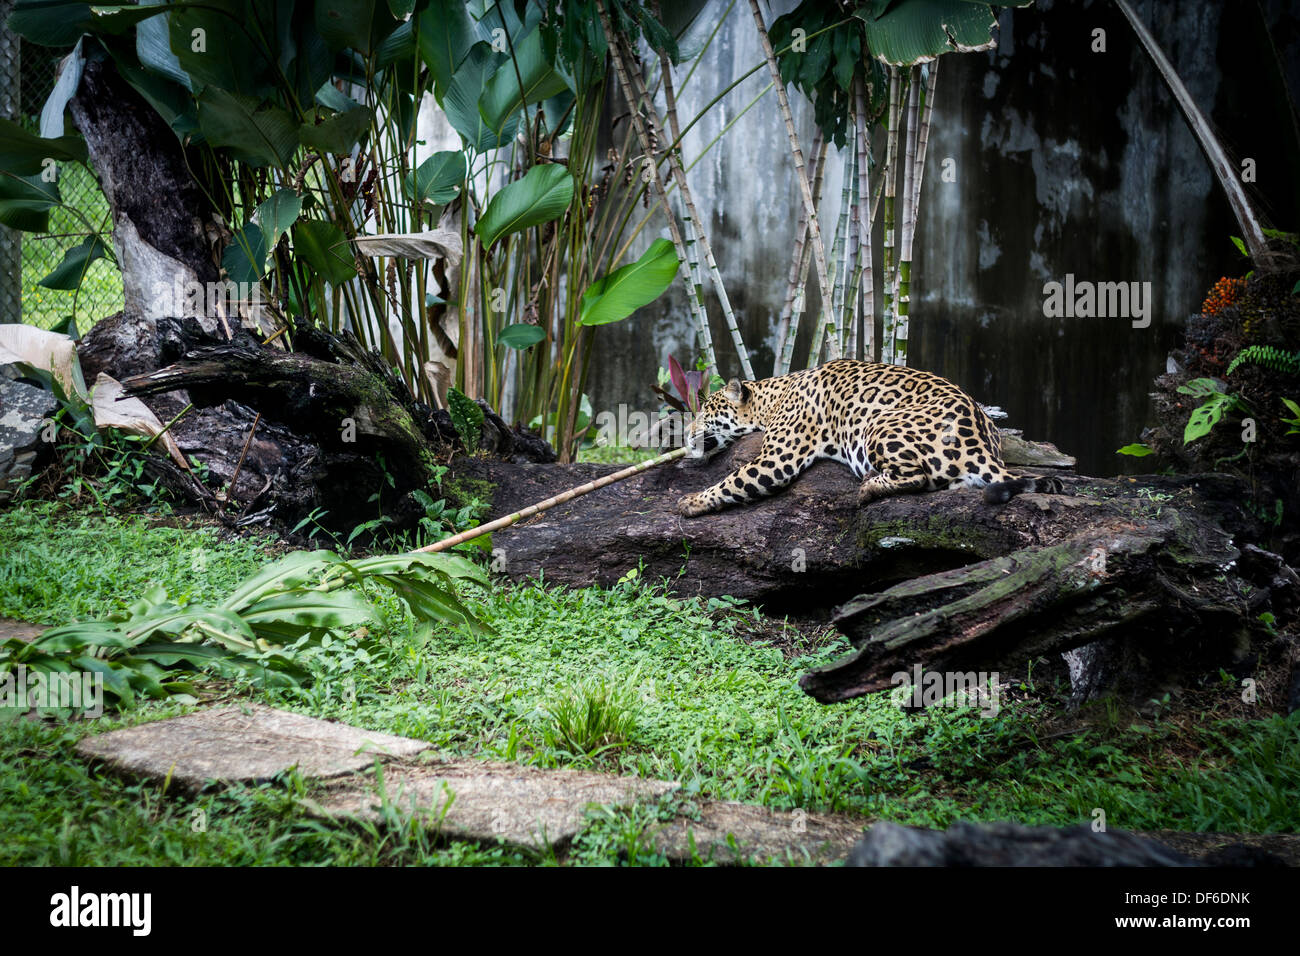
[{"x": 490, "y": 265}]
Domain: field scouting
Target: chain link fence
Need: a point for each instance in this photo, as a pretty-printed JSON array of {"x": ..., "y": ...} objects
[{"x": 27, "y": 73}]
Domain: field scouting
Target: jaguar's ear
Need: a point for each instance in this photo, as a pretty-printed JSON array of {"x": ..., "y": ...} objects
[{"x": 736, "y": 392}]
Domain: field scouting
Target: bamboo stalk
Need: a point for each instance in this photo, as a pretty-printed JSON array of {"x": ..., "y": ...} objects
[
  {"x": 887, "y": 252},
  {"x": 839, "y": 261},
  {"x": 643, "y": 136},
  {"x": 688, "y": 203},
  {"x": 549, "y": 503},
  {"x": 903, "y": 278},
  {"x": 867, "y": 214},
  {"x": 849, "y": 322},
  {"x": 805, "y": 189},
  {"x": 927, "y": 116},
  {"x": 787, "y": 327}
]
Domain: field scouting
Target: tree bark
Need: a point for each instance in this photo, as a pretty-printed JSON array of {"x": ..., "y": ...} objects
[{"x": 165, "y": 231}]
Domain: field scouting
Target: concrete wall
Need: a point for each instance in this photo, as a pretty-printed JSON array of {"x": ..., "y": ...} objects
[{"x": 1066, "y": 160}]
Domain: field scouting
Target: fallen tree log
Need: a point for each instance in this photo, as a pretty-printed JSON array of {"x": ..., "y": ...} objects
[
  {"x": 1159, "y": 567},
  {"x": 285, "y": 436},
  {"x": 806, "y": 550}
]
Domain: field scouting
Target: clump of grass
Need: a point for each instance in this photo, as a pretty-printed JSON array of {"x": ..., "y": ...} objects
[{"x": 594, "y": 716}]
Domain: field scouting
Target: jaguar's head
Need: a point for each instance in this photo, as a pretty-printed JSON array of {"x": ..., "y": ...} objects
[{"x": 725, "y": 416}]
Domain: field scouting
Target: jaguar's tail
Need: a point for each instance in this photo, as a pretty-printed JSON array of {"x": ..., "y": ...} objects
[{"x": 1000, "y": 492}]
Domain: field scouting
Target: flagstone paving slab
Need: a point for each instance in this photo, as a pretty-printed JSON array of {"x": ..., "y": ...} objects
[
  {"x": 736, "y": 832},
  {"x": 243, "y": 744},
  {"x": 484, "y": 801},
  {"x": 24, "y": 631}
]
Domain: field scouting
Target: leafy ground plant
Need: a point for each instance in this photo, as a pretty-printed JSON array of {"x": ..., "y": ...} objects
[
  {"x": 595, "y": 716},
  {"x": 148, "y": 648}
]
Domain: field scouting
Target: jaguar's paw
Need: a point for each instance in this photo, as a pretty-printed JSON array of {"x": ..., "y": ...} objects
[{"x": 691, "y": 506}]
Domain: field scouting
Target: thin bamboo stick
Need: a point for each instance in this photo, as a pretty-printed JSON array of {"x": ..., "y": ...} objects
[
  {"x": 652, "y": 165},
  {"x": 801, "y": 175},
  {"x": 867, "y": 214},
  {"x": 890, "y": 176},
  {"x": 549, "y": 503},
  {"x": 688, "y": 203},
  {"x": 903, "y": 278},
  {"x": 787, "y": 326},
  {"x": 839, "y": 262}
]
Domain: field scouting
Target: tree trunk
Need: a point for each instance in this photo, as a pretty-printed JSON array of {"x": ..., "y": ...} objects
[{"x": 165, "y": 231}]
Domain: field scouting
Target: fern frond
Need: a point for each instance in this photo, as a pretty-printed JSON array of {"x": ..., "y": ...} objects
[{"x": 1268, "y": 356}]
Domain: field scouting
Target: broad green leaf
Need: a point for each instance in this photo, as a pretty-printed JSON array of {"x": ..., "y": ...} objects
[
  {"x": 339, "y": 133},
  {"x": 211, "y": 45},
  {"x": 277, "y": 214},
  {"x": 914, "y": 31},
  {"x": 245, "y": 258},
  {"x": 1137, "y": 450},
  {"x": 59, "y": 23},
  {"x": 521, "y": 335},
  {"x": 1240, "y": 244},
  {"x": 444, "y": 33},
  {"x": 400, "y": 45},
  {"x": 360, "y": 25},
  {"x": 1204, "y": 418},
  {"x": 542, "y": 195},
  {"x": 526, "y": 77},
  {"x": 329, "y": 97},
  {"x": 438, "y": 179},
  {"x": 154, "y": 50},
  {"x": 26, "y": 201},
  {"x": 262, "y": 134},
  {"x": 324, "y": 247},
  {"x": 617, "y": 295},
  {"x": 460, "y": 102},
  {"x": 67, "y": 275},
  {"x": 1202, "y": 386},
  {"x": 23, "y": 153}
]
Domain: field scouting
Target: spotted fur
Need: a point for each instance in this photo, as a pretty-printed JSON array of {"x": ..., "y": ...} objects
[{"x": 899, "y": 429}]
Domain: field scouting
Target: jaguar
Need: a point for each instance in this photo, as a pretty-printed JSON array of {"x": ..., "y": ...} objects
[{"x": 899, "y": 430}]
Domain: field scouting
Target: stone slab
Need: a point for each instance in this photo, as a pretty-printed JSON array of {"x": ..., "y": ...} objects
[
  {"x": 739, "y": 832},
  {"x": 9, "y": 627},
  {"x": 487, "y": 801},
  {"x": 244, "y": 744}
]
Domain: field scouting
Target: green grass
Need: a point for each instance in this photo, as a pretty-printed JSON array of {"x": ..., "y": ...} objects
[
  {"x": 626, "y": 680},
  {"x": 101, "y": 290},
  {"x": 616, "y": 454}
]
